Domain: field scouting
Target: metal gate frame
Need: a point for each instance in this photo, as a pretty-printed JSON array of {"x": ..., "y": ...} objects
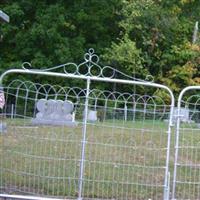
[
  {"x": 91, "y": 60},
  {"x": 177, "y": 135}
]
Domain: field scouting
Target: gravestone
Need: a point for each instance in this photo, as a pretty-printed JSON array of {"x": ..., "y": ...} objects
[
  {"x": 92, "y": 115},
  {"x": 54, "y": 112},
  {"x": 184, "y": 115},
  {"x": 3, "y": 127}
]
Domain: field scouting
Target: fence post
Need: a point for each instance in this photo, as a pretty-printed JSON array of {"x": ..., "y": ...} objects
[
  {"x": 125, "y": 113},
  {"x": 12, "y": 111}
]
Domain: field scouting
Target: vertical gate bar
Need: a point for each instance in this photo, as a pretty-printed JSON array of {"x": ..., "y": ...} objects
[
  {"x": 83, "y": 142},
  {"x": 177, "y": 142},
  {"x": 168, "y": 185},
  {"x": 176, "y": 148},
  {"x": 170, "y": 125}
]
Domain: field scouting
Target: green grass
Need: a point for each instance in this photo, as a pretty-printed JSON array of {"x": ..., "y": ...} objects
[{"x": 123, "y": 160}]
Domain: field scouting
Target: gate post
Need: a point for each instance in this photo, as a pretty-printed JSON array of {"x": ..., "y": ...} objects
[
  {"x": 167, "y": 172},
  {"x": 177, "y": 120},
  {"x": 84, "y": 131}
]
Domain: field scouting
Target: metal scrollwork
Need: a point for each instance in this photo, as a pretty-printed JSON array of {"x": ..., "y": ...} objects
[
  {"x": 149, "y": 78},
  {"x": 26, "y": 66},
  {"x": 91, "y": 57},
  {"x": 89, "y": 67}
]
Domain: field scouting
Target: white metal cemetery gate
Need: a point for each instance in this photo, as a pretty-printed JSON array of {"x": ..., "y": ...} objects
[
  {"x": 186, "y": 181},
  {"x": 111, "y": 145}
]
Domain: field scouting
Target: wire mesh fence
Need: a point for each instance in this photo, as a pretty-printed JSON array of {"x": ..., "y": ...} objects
[
  {"x": 105, "y": 140},
  {"x": 86, "y": 142},
  {"x": 125, "y": 144}
]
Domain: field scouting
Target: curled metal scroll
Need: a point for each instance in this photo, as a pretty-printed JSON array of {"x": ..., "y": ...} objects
[
  {"x": 89, "y": 67},
  {"x": 26, "y": 66},
  {"x": 149, "y": 78}
]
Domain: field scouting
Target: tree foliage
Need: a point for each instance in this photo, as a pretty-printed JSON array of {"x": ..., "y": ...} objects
[
  {"x": 48, "y": 32},
  {"x": 162, "y": 30},
  {"x": 135, "y": 36}
]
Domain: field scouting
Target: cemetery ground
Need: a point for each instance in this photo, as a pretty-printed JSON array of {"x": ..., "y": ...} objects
[{"x": 122, "y": 159}]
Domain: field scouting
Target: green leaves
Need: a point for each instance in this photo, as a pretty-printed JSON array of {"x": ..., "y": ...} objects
[
  {"x": 126, "y": 55},
  {"x": 138, "y": 37},
  {"x": 48, "y": 33}
]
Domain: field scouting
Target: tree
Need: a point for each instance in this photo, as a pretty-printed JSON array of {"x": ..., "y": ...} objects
[
  {"x": 162, "y": 31},
  {"x": 47, "y": 33},
  {"x": 135, "y": 36}
]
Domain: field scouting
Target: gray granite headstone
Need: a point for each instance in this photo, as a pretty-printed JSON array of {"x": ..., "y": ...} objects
[{"x": 54, "y": 112}]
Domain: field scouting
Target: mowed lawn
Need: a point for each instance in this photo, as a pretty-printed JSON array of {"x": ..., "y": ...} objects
[{"x": 123, "y": 160}]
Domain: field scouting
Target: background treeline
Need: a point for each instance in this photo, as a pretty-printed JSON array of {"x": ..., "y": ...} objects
[{"x": 138, "y": 37}]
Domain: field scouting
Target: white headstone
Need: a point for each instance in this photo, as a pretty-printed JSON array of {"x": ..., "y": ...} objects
[
  {"x": 41, "y": 105},
  {"x": 54, "y": 112},
  {"x": 67, "y": 107},
  {"x": 92, "y": 115},
  {"x": 184, "y": 114}
]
